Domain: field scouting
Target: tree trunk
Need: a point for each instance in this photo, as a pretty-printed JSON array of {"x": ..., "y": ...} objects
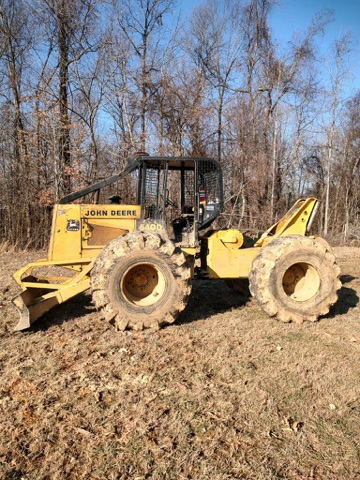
[{"x": 64, "y": 134}]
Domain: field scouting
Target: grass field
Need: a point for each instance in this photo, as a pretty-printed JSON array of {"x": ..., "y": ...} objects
[{"x": 225, "y": 393}]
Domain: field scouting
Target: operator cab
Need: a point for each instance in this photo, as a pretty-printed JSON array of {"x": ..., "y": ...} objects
[{"x": 184, "y": 193}]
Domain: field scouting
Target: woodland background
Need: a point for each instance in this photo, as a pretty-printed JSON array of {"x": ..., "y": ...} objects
[{"x": 85, "y": 83}]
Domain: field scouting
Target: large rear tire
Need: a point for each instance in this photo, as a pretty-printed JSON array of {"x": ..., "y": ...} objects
[
  {"x": 140, "y": 280},
  {"x": 295, "y": 278}
]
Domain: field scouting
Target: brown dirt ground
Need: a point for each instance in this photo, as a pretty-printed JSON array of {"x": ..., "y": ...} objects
[{"x": 225, "y": 393}]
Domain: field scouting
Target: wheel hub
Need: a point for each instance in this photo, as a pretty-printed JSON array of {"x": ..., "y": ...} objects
[
  {"x": 140, "y": 279},
  {"x": 301, "y": 281},
  {"x": 143, "y": 284}
]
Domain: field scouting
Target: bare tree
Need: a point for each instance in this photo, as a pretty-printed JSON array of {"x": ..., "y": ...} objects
[
  {"x": 15, "y": 45},
  {"x": 215, "y": 43},
  {"x": 16, "y": 41},
  {"x": 338, "y": 71},
  {"x": 89, "y": 86},
  {"x": 142, "y": 23},
  {"x": 348, "y": 178},
  {"x": 71, "y": 22}
]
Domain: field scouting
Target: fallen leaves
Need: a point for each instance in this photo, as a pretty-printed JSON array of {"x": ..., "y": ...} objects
[
  {"x": 293, "y": 425},
  {"x": 355, "y": 339}
]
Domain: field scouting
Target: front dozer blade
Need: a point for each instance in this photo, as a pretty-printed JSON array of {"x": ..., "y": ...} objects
[
  {"x": 41, "y": 293},
  {"x": 32, "y": 306}
]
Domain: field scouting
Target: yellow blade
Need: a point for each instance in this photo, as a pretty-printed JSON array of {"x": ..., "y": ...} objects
[{"x": 32, "y": 307}]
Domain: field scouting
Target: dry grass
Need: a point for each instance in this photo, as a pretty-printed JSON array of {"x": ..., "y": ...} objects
[{"x": 226, "y": 393}]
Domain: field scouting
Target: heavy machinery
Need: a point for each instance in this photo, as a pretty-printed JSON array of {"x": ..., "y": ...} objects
[{"x": 139, "y": 257}]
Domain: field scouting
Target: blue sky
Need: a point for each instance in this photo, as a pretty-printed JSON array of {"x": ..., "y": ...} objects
[
  {"x": 294, "y": 15},
  {"x": 291, "y": 15}
]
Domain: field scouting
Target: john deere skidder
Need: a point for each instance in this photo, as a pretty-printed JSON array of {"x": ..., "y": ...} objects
[{"x": 138, "y": 257}]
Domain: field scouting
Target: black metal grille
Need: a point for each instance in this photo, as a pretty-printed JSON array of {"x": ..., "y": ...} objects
[
  {"x": 209, "y": 178},
  {"x": 189, "y": 190},
  {"x": 152, "y": 185}
]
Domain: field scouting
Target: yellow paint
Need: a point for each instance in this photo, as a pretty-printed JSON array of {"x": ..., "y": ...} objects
[
  {"x": 80, "y": 232},
  {"x": 225, "y": 260},
  {"x": 294, "y": 222}
]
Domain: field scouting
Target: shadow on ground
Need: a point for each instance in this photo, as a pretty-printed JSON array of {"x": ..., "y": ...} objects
[
  {"x": 210, "y": 297},
  {"x": 347, "y": 298},
  {"x": 69, "y": 311}
]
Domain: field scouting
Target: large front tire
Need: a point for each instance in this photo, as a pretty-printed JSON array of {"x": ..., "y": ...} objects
[
  {"x": 295, "y": 278},
  {"x": 140, "y": 281}
]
